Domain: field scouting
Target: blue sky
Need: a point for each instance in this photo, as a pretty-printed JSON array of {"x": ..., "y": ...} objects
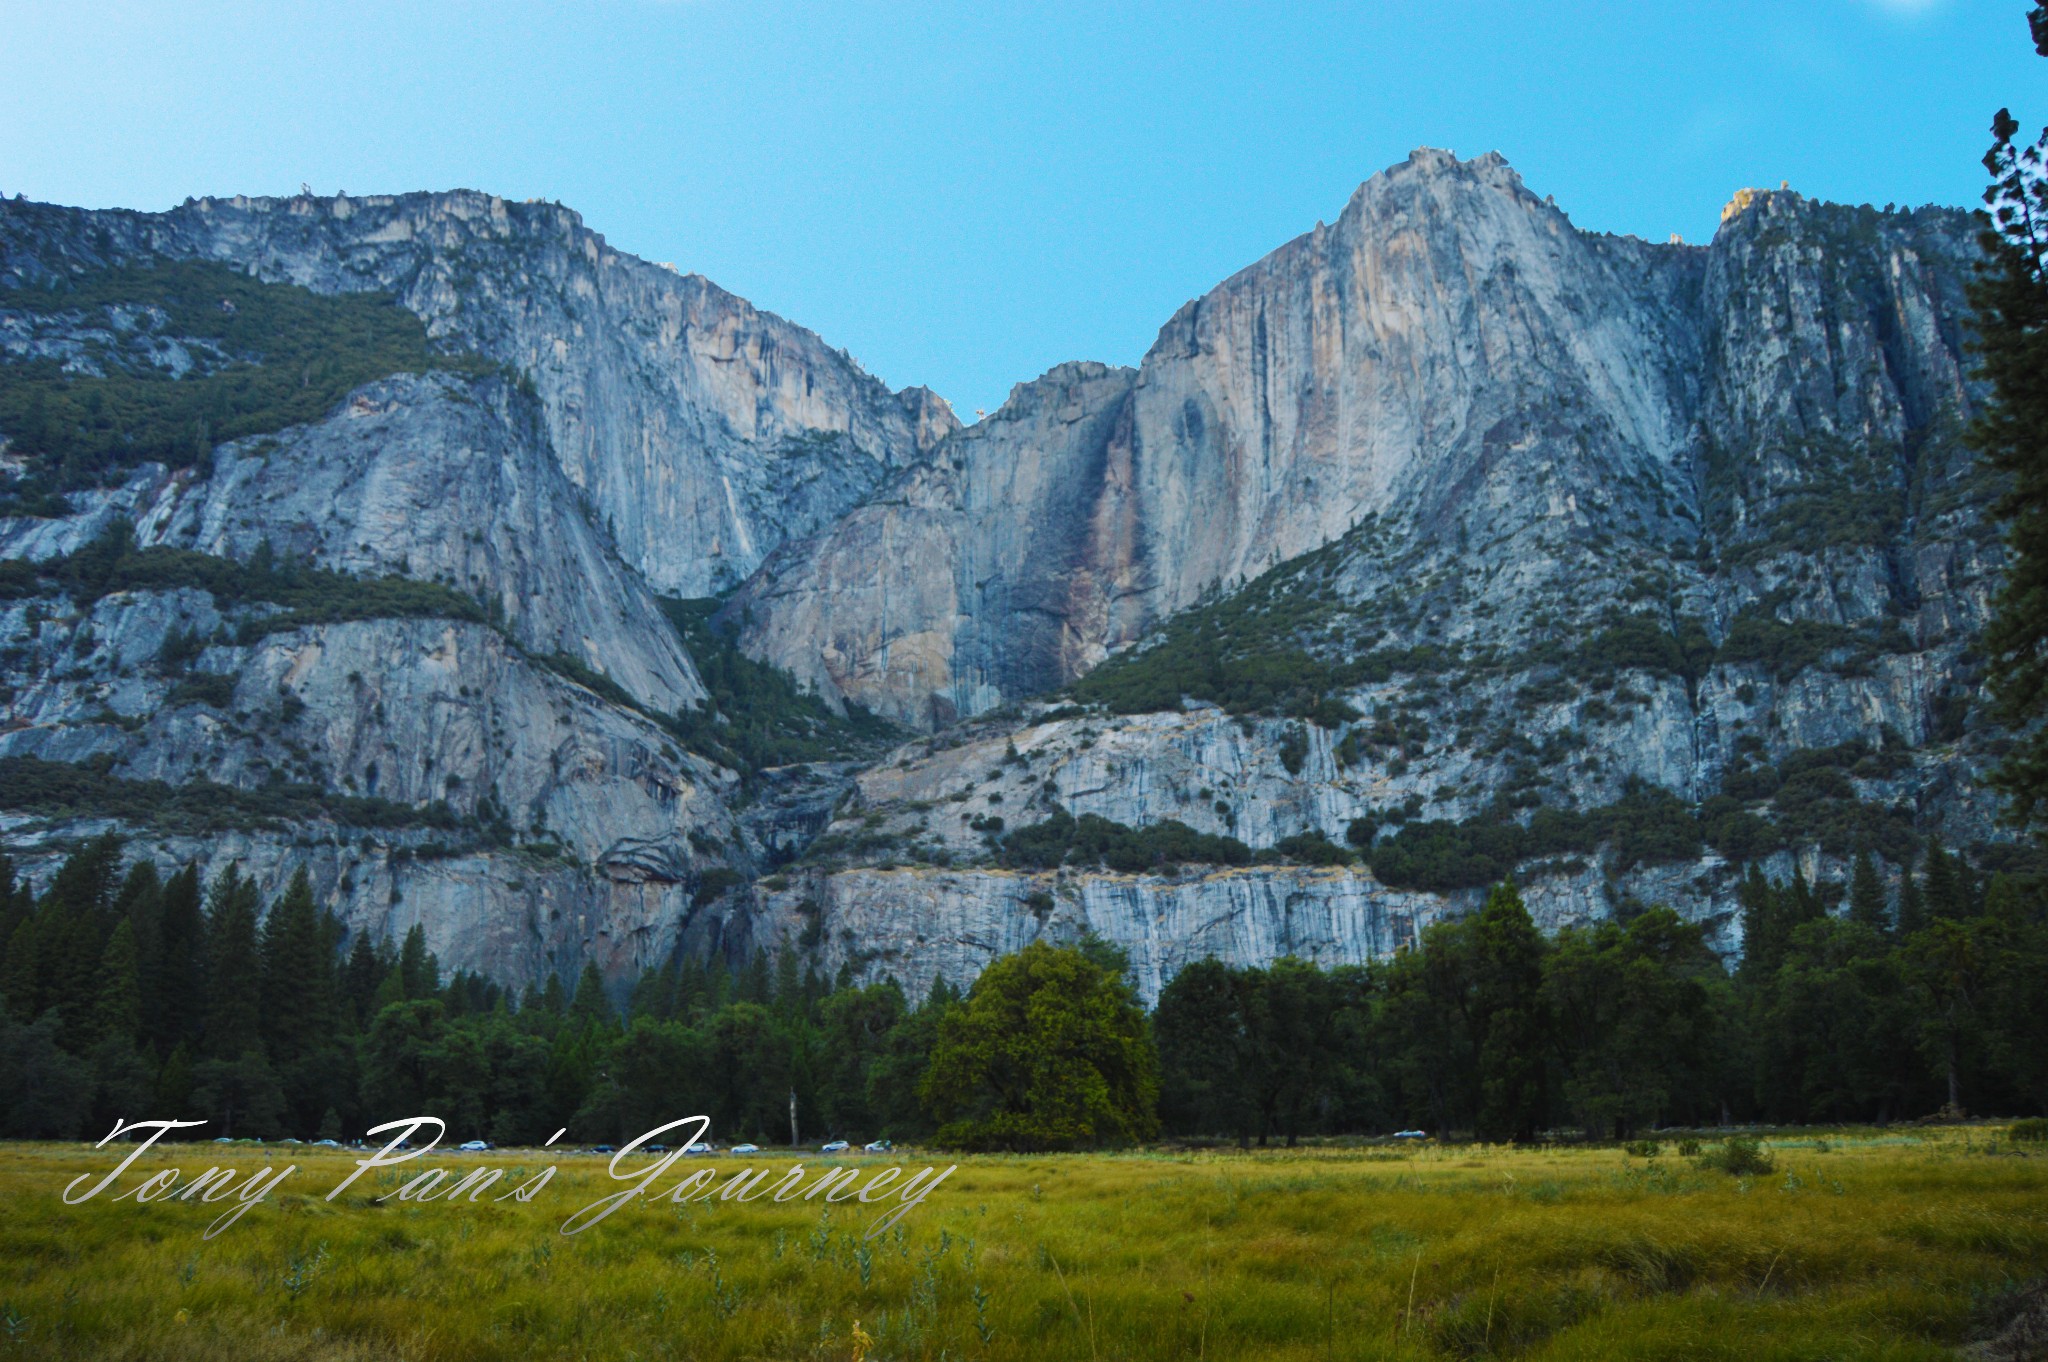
[{"x": 966, "y": 194}]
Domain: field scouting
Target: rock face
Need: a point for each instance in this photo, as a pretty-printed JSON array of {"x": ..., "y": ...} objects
[
  {"x": 703, "y": 431},
  {"x": 1481, "y": 445},
  {"x": 914, "y": 926},
  {"x": 445, "y": 480},
  {"x": 934, "y": 912},
  {"x": 995, "y": 568},
  {"x": 440, "y": 478},
  {"x": 1452, "y": 359},
  {"x": 1512, "y": 517},
  {"x": 411, "y": 712}
]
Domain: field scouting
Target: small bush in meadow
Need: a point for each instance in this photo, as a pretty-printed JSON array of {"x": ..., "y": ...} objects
[
  {"x": 1688, "y": 1149},
  {"x": 2034, "y": 1131},
  {"x": 1644, "y": 1149},
  {"x": 1739, "y": 1156}
]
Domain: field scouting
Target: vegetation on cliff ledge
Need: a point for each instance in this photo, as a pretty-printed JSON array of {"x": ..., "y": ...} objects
[
  {"x": 306, "y": 594},
  {"x": 757, "y": 716},
  {"x": 164, "y": 360}
]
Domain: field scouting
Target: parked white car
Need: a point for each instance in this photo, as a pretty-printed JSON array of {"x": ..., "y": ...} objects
[
  {"x": 744, "y": 1149},
  {"x": 836, "y": 1147},
  {"x": 879, "y": 1147},
  {"x": 474, "y": 1146},
  {"x": 1411, "y": 1134},
  {"x": 698, "y": 1148}
]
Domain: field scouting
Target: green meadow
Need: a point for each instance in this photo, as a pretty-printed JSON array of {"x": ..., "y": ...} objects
[{"x": 1891, "y": 1244}]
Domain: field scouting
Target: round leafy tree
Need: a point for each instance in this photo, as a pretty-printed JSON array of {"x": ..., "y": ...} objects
[{"x": 1050, "y": 1051}]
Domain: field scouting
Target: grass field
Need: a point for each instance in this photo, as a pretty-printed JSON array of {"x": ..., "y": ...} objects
[{"x": 1858, "y": 1244}]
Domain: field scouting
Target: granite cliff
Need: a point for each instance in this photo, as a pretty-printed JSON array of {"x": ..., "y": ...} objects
[
  {"x": 1448, "y": 539},
  {"x": 1441, "y": 516},
  {"x": 703, "y": 431},
  {"x": 1451, "y": 359}
]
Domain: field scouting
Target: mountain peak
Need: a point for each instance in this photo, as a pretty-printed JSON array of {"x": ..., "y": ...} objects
[{"x": 1427, "y": 164}]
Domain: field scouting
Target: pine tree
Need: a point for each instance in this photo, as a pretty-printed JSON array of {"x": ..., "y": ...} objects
[
  {"x": 20, "y": 975},
  {"x": 174, "y": 1084},
  {"x": 1204, "y": 1051},
  {"x": 2010, "y": 295},
  {"x": 84, "y": 885},
  {"x": 390, "y": 989},
  {"x": 1509, "y": 1017},
  {"x": 1763, "y": 925},
  {"x": 720, "y": 987},
  {"x": 177, "y": 1010},
  {"x": 234, "y": 1021},
  {"x": 419, "y": 973},
  {"x": 591, "y": 1007},
  {"x": 73, "y": 921},
  {"x": 140, "y": 904},
  {"x": 17, "y": 908},
  {"x": 1802, "y": 904},
  {"x": 1866, "y": 894},
  {"x": 789, "y": 987},
  {"x": 1912, "y": 906},
  {"x": 1943, "y": 885},
  {"x": 359, "y": 980},
  {"x": 756, "y": 984},
  {"x": 646, "y": 998},
  {"x": 298, "y": 977},
  {"x": 16, "y": 902},
  {"x": 117, "y": 1004}
]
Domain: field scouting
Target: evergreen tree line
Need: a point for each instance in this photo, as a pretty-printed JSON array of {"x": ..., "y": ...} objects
[
  {"x": 124, "y": 994},
  {"x": 1873, "y": 1009}
]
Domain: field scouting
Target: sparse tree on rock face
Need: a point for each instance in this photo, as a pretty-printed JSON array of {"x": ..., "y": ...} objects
[{"x": 2011, "y": 299}]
